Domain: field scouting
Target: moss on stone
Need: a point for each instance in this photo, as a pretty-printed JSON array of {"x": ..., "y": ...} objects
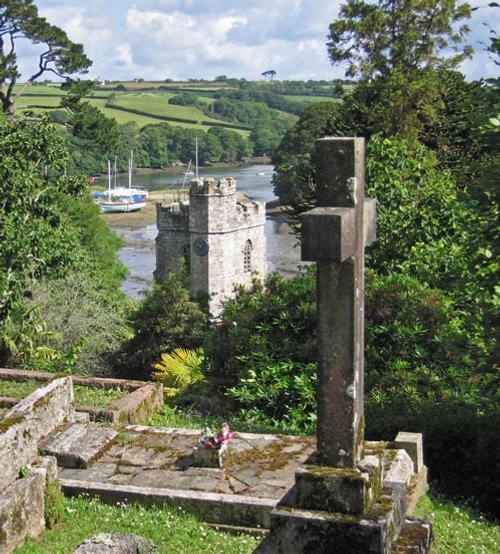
[{"x": 7, "y": 423}]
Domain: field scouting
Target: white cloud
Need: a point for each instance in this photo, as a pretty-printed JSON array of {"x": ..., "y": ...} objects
[{"x": 156, "y": 39}]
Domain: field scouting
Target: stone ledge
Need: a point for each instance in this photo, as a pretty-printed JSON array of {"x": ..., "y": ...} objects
[
  {"x": 79, "y": 444},
  {"x": 30, "y": 420},
  {"x": 139, "y": 404},
  {"x": 415, "y": 538},
  {"x": 234, "y": 510}
]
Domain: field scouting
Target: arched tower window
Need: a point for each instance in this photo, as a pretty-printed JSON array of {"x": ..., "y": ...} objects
[
  {"x": 185, "y": 258},
  {"x": 247, "y": 256}
]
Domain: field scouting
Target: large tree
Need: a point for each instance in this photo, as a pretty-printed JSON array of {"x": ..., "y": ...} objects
[
  {"x": 19, "y": 20},
  {"x": 396, "y": 48}
]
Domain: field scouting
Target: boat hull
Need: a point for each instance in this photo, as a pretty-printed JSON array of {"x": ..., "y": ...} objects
[{"x": 121, "y": 207}]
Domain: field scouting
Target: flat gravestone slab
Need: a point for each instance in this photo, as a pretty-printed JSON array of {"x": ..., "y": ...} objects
[{"x": 79, "y": 444}]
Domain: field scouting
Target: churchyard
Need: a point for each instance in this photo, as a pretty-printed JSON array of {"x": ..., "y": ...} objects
[{"x": 342, "y": 491}]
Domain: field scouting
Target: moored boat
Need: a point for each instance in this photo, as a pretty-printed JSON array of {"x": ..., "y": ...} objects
[{"x": 114, "y": 201}]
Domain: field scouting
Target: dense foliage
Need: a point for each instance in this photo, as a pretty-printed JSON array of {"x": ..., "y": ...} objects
[
  {"x": 165, "y": 320},
  {"x": 58, "y": 265}
]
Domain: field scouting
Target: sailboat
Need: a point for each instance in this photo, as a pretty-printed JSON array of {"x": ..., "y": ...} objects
[
  {"x": 116, "y": 202},
  {"x": 138, "y": 193}
]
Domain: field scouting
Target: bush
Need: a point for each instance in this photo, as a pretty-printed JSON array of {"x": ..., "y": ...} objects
[
  {"x": 275, "y": 321},
  {"x": 165, "y": 320}
]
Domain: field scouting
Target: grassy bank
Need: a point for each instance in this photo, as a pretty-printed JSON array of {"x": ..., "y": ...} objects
[{"x": 457, "y": 530}]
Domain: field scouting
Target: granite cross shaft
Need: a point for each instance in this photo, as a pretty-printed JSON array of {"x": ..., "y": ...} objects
[{"x": 334, "y": 235}]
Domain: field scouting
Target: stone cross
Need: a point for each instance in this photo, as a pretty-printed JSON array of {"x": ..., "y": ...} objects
[{"x": 334, "y": 235}]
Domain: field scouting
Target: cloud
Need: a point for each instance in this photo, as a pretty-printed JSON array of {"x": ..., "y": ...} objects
[{"x": 181, "y": 39}]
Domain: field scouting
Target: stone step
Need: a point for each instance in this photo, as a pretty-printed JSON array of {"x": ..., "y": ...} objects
[{"x": 79, "y": 445}]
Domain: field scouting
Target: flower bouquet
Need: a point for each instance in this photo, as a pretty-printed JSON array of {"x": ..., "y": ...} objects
[{"x": 212, "y": 447}]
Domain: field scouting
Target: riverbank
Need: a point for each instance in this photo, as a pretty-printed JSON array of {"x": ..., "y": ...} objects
[{"x": 147, "y": 216}]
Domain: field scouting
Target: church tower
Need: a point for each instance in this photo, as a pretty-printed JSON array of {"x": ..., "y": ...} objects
[{"x": 219, "y": 240}]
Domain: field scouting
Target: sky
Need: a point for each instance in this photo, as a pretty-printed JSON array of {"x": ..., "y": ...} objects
[{"x": 183, "y": 39}]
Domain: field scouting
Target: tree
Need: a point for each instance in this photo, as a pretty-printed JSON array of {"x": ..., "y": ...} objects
[
  {"x": 19, "y": 20},
  {"x": 402, "y": 35},
  {"x": 166, "y": 319},
  {"x": 397, "y": 47},
  {"x": 270, "y": 74},
  {"x": 34, "y": 238}
]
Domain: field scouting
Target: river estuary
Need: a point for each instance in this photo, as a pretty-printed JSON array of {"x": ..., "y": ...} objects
[{"x": 254, "y": 181}]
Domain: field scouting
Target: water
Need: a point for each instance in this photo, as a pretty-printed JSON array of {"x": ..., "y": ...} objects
[{"x": 254, "y": 181}]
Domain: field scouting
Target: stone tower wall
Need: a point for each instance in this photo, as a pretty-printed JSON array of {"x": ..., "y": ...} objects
[
  {"x": 173, "y": 239},
  {"x": 225, "y": 228}
]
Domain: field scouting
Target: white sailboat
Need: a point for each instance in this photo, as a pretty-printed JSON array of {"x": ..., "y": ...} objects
[
  {"x": 116, "y": 202},
  {"x": 138, "y": 193}
]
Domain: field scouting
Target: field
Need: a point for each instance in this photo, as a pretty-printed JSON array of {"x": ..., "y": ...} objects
[
  {"x": 141, "y": 103},
  {"x": 145, "y": 103}
]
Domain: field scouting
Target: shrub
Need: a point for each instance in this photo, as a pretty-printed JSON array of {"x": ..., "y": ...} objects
[
  {"x": 179, "y": 370},
  {"x": 166, "y": 319}
]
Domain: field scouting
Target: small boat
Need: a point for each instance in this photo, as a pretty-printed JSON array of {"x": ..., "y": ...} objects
[
  {"x": 138, "y": 193},
  {"x": 114, "y": 201},
  {"x": 121, "y": 204}
]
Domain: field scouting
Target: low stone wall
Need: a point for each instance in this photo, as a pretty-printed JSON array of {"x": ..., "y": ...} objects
[
  {"x": 143, "y": 400},
  {"x": 31, "y": 419},
  {"x": 25, "y": 474}
]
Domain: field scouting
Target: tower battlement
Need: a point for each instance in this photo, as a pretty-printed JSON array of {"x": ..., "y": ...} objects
[
  {"x": 208, "y": 186},
  {"x": 172, "y": 217}
]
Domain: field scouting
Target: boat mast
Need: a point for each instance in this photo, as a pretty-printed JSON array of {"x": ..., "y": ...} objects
[
  {"x": 109, "y": 179},
  {"x": 130, "y": 169}
]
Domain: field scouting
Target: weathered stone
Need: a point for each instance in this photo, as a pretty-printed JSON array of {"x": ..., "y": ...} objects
[
  {"x": 22, "y": 510},
  {"x": 419, "y": 485},
  {"x": 231, "y": 509},
  {"x": 413, "y": 444},
  {"x": 336, "y": 223},
  {"x": 79, "y": 445},
  {"x": 400, "y": 470},
  {"x": 415, "y": 538},
  {"x": 219, "y": 239},
  {"x": 31, "y": 419},
  {"x": 340, "y": 286},
  {"x": 297, "y": 531},
  {"x": 332, "y": 489},
  {"x": 82, "y": 417},
  {"x": 116, "y": 543},
  {"x": 138, "y": 405},
  {"x": 48, "y": 464}
]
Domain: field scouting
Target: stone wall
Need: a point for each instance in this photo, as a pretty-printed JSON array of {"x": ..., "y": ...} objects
[{"x": 25, "y": 474}]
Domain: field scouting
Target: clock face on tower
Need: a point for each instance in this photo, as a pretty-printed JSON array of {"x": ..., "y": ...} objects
[{"x": 200, "y": 247}]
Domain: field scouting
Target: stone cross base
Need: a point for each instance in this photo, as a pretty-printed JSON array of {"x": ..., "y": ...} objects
[{"x": 351, "y": 511}]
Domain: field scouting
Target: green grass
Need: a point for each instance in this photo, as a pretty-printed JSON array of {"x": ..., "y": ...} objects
[
  {"x": 457, "y": 529},
  {"x": 172, "y": 417},
  {"x": 311, "y": 99},
  {"x": 84, "y": 396},
  {"x": 18, "y": 389},
  {"x": 170, "y": 529},
  {"x": 156, "y": 103},
  {"x": 96, "y": 397}
]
